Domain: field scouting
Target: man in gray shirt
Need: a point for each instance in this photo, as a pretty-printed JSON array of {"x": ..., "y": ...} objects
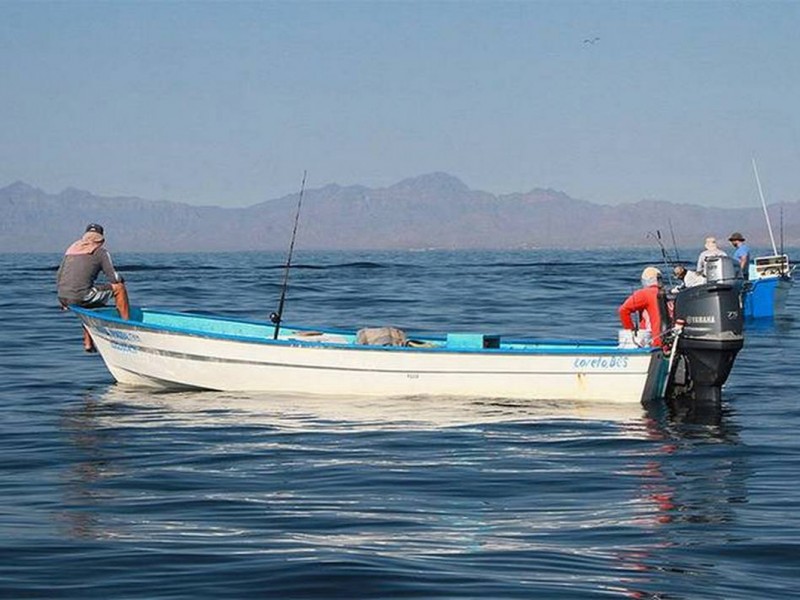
[
  {"x": 711, "y": 249},
  {"x": 77, "y": 276}
]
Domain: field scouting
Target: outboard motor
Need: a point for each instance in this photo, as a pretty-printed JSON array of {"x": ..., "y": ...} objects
[{"x": 711, "y": 337}]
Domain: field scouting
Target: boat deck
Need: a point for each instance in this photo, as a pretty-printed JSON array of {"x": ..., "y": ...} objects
[{"x": 263, "y": 332}]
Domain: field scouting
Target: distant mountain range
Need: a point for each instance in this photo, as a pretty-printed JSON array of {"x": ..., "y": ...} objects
[{"x": 425, "y": 212}]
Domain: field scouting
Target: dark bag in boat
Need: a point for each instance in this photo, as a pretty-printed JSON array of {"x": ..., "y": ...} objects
[{"x": 381, "y": 336}]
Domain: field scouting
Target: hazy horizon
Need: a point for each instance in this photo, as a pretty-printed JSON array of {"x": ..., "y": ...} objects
[{"x": 226, "y": 104}]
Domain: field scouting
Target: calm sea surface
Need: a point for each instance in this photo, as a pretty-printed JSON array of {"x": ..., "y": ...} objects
[{"x": 107, "y": 492}]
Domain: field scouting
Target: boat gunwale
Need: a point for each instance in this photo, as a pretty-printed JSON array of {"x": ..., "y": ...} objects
[{"x": 554, "y": 347}]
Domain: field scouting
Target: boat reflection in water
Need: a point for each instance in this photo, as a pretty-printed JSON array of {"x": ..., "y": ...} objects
[
  {"x": 706, "y": 414},
  {"x": 292, "y": 411},
  {"x": 618, "y": 495}
]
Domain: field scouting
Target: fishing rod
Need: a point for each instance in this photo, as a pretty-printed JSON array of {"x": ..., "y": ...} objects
[
  {"x": 764, "y": 205},
  {"x": 674, "y": 243},
  {"x": 664, "y": 254},
  {"x": 278, "y": 315},
  {"x": 657, "y": 237}
]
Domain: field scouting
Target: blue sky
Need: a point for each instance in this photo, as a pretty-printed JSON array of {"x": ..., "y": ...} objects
[{"x": 228, "y": 103}]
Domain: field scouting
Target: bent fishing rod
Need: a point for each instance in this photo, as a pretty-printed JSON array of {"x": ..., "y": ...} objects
[
  {"x": 277, "y": 316},
  {"x": 667, "y": 261}
]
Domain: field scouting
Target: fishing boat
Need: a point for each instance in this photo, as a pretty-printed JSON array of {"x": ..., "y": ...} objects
[
  {"x": 179, "y": 350},
  {"x": 767, "y": 289},
  {"x": 164, "y": 349},
  {"x": 769, "y": 277}
]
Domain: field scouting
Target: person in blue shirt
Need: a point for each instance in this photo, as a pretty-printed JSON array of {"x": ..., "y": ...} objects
[{"x": 742, "y": 252}]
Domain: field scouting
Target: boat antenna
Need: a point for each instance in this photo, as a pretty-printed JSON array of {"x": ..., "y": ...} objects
[
  {"x": 278, "y": 315},
  {"x": 781, "y": 227},
  {"x": 674, "y": 243},
  {"x": 764, "y": 205}
]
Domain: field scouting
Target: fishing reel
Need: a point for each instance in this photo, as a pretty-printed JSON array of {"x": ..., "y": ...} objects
[{"x": 274, "y": 318}]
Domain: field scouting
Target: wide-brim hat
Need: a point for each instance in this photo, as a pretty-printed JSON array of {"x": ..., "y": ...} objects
[{"x": 736, "y": 237}]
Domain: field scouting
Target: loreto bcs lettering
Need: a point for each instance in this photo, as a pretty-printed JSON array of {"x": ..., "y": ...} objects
[{"x": 602, "y": 362}]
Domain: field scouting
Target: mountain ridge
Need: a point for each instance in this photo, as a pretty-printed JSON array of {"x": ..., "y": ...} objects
[{"x": 434, "y": 210}]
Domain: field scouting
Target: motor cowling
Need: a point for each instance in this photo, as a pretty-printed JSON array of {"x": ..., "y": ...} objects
[{"x": 712, "y": 332}]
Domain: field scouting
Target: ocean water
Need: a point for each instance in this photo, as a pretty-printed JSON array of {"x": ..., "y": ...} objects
[{"x": 108, "y": 492}]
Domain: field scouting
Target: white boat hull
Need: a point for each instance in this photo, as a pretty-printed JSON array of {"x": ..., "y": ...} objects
[{"x": 137, "y": 353}]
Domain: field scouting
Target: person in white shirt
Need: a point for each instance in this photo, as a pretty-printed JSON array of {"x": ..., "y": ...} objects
[{"x": 686, "y": 278}]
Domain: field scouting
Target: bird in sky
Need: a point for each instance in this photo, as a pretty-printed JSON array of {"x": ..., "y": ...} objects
[{"x": 591, "y": 40}]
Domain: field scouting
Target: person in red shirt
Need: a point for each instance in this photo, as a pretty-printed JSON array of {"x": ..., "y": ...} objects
[{"x": 646, "y": 303}]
